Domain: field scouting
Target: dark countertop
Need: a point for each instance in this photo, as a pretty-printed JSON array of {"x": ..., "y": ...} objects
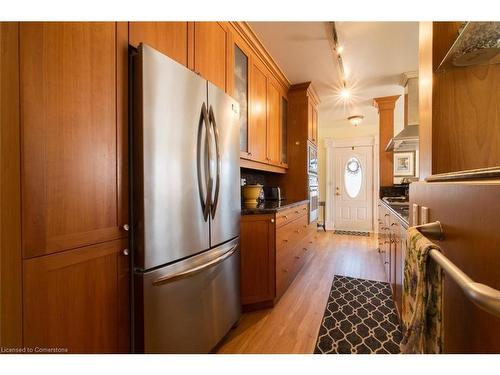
[
  {"x": 270, "y": 207},
  {"x": 399, "y": 212}
]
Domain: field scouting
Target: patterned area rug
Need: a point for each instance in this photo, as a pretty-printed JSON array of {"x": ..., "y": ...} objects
[
  {"x": 360, "y": 318},
  {"x": 352, "y": 233}
]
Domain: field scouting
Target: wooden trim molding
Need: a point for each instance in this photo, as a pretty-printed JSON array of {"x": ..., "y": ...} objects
[
  {"x": 252, "y": 164},
  {"x": 306, "y": 86},
  {"x": 10, "y": 189},
  {"x": 385, "y": 103}
]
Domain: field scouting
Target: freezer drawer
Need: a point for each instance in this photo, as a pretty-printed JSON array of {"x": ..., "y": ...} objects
[{"x": 189, "y": 306}]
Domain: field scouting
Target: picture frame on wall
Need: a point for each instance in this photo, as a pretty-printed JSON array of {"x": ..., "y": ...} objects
[{"x": 404, "y": 164}]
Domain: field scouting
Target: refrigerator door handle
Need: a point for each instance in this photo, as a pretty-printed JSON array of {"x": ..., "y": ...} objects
[
  {"x": 205, "y": 201},
  {"x": 213, "y": 123},
  {"x": 186, "y": 273}
]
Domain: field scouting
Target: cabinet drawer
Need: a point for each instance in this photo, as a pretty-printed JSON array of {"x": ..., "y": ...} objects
[
  {"x": 291, "y": 241},
  {"x": 290, "y": 214}
]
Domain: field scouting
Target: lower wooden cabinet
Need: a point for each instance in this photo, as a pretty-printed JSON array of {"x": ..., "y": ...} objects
[
  {"x": 78, "y": 300},
  {"x": 392, "y": 246},
  {"x": 273, "y": 250},
  {"x": 257, "y": 258}
]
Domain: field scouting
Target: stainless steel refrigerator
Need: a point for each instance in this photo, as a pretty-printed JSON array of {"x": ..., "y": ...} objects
[{"x": 186, "y": 208}]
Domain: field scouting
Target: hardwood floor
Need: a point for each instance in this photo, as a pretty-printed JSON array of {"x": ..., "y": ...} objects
[{"x": 292, "y": 325}]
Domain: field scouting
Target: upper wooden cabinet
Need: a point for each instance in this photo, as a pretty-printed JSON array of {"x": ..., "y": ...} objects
[
  {"x": 459, "y": 107},
  {"x": 258, "y": 114},
  {"x": 73, "y": 110},
  {"x": 273, "y": 124},
  {"x": 312, "y": 120},
  {"x": 170, "y": 38},
  {"x": 210, "y": 51},
  {"x": 314, "y": 125},
  {"x": 302, "y": 105}
]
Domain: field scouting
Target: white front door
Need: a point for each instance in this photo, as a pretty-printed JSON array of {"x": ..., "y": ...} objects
[{"x": 353, "y": 190}]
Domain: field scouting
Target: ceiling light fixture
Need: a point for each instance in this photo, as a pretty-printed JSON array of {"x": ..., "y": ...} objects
[
  {"x": 356, "y": 119},
  {"x": 339, "y": 49}
]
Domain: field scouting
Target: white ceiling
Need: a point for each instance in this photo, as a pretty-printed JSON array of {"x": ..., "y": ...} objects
[{"x": 375, "y": 54}]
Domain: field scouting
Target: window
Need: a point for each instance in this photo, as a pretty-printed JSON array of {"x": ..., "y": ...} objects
[{"x": 353, "y": 176}]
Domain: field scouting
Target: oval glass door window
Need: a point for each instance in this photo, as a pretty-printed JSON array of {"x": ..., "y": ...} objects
[{"x": 353, "y": 176}]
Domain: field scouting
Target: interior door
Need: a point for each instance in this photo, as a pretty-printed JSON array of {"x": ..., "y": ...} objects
[
  {"x": 170, "y": 130},
  {"x": 226, "y": 206},
  {"x": 354, "y": 188}
]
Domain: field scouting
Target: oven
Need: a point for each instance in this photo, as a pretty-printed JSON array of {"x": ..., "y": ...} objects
[
  {"x": 313, "y": 197},
  {"x": 312, "y": 159}
]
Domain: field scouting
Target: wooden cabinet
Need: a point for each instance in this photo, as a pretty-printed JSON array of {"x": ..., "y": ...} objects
[
  {"x": 241, "y": 91},
  {"x": 258, "y": 115},
  {"x": 392, "y": 246},
  {"x": 257, "y": 258},
  {"x": 284, "y": 132},
  {"x": 260, "y": 88},
  {"x": 73, "y": 136},
  {"x": 314, "y": 125},
  {"x": 78, "y": 300},
  {"x": 312, "y": 121},
  {"x": 459, "y": 113},
  {"x": 273, "y": 124},
  {"x": 74, "y": 126},
  {"x": 274, "y": 247},
  {"x": 302, "y": 103},
  {"x": 170, "y": 38},
  {"x": 210, "y": 45}
]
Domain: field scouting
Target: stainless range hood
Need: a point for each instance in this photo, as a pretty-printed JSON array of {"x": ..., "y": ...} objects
[{"x": 408, "y": 138}]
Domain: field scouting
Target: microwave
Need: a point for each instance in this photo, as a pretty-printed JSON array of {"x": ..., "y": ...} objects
[{"x": 312, "y": 159}]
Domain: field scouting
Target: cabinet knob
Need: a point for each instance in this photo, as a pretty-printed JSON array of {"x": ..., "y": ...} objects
[
  {"x": 297, "y": 212},
  {"x": 297, "y": 231},
  {"x": 272, "y": 220},
  {"x": 285, "y": 270},
  {"x": 310, "y": 242},
  {"x": 297, "y": 257},
  {"x": 126, "y": 227},
  {"x": 286, "y": 217},
  {"x": 285, "y": 240},
  {"x": 304, "y": 248},
  {"x": 386, "y": 262},
  {"x": 125, "y": 252}
]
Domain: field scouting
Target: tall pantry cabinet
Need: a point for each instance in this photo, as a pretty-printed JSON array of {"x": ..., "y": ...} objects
[{"x": 73, "y": 185}]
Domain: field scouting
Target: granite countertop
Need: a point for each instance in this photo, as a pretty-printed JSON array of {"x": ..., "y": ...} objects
[
  {"x": 400, "y": 211},
  {"x": 269, "y": 207}
]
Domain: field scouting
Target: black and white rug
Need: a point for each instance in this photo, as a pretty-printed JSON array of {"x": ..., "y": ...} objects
[
  {"x": 360, "y": 318},
  {"x": 352, "y": 233}
]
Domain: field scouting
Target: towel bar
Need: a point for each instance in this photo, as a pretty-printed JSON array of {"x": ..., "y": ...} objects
[{"x": 481, "y": 295}]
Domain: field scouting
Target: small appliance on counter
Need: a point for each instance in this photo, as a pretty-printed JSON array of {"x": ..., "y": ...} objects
[{"x": 272, "y": 193}]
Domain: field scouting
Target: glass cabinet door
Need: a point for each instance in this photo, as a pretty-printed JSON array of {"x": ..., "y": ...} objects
[
  {"x": 241, "y": 93},
  {"x": 284, "y": 131}
]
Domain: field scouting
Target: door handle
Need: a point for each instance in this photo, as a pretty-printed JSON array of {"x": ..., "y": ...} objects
[
  {"x": 204, "y": 201},
  {"x": 183, "y": 274},
  {"x": 213, "y": 123}
]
